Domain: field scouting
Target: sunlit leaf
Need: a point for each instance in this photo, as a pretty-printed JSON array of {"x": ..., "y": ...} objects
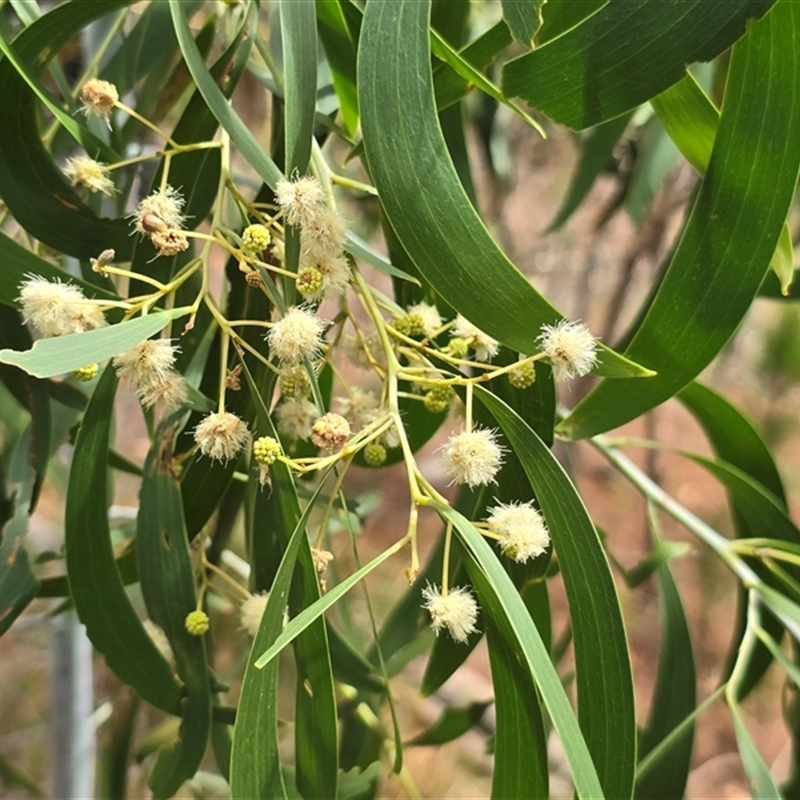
[{"x": 60, "y": 354}]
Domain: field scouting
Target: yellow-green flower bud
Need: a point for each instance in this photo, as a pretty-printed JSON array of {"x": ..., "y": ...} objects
[
  {"x": 375, "y": 454},
  {"x": 266, "y": 450},
  {"x": 295, "y": 382},
  {"x": 523, "y": 376},
  {"x": 310, "y": 281},
  {"x": 255, "y": 238},
  {"x": 410, "y": 325},
  {"x": 196, "y": 622},
  {"x": 458, "y": 347},
  {"x": 86, "y": 373},
  {"x": 438, "y": 400}
]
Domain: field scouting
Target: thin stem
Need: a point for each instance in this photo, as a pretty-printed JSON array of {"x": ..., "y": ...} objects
[
  {"x": 448, "y": 538},
  {"x": 146, "y": 122}
]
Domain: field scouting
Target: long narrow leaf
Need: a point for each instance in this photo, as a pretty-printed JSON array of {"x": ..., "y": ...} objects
[{"x": 732, "y": 232}]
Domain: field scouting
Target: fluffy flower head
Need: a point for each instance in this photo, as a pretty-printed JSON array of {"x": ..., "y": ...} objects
[
  {"x": 522, "y": 530},
  {"x": 570, "y": 347},
  {"x": 323, "y": 235},
  {"x": 251, "y": 612},
  {"x": 457, "y": 611},
  {"x": 330, "y": 432},
  {"x": 294, "y": 417},
  {"x": 472, "y": 457},
  {"x": 296, "y": 335},
  {"x": 89, "y": 173},
  {"x": 302, "y": 200},
  {"x": 57, "y": 309},
  {"x": 429, "y": 317},
  {"x": 484, "y": 346},
  {"x": 171, "y": 392},
  {"x": 98, "y": 98},
  {"x": 148, "y": 362},
  {"x": 221, "y": 435},
  {"x": 160, "y": 212}
]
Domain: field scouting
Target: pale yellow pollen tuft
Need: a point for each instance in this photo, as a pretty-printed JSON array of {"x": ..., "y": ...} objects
[
  {"x": 296, "y": 336},
  {"x": 160, "y": 212},
  {"x": 58, "y": 309},
  {"x": 484, "y": 346},
  {"x": 251, "y": 612},
  {"x": 294, "y": 417},
  {"x": 221, "y": 435},
  {"x": 301, "y": 200},
  {"x": 521, "y": 530},
  {"x": 472, "y": 457},
  {"x": 457, "y": 611},
  {"x": 98, "y": 98},
  {"x": 570, "y": 348},
  {"x": 85, "y": 171}
]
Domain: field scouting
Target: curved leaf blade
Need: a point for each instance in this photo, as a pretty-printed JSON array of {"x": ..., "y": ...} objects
[
  {"x": 731, "y": 235},
  {"x": 60, "y": 354},
  {"x": 219, "y": 105},
  {"x": 167, "y": 579},
  {"x": 96, "y": 586},
  {"x": 36, "y": 193},
  {"x": 299, "y": 37},
  {"x": 422, "y": 194},
  {"x": 603, "y": 669},
  {"x": 504, "y": 607},
  {"x": 623, "y": 55}
]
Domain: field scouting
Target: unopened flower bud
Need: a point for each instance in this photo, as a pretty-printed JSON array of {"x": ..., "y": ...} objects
[
  {"x": 438, "y": 399},
  {"x": 266, "y": 450},
  {"x": 523, "y": 376},
  {"x": 87, "y": 373},
  {"x": 374, "y": 454},
  {"x": 256, "y": 238},
  {"x": 196, "y": 622},
  {"x": 310, "y": 281}
]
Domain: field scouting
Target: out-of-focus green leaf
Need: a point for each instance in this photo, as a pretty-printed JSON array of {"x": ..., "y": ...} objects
[
  {"x": 603, "y": 670},
  {"x": 341, "y": 53},
  {"x": 690, "y": 118},
  {"x": 657, "y": 155},
  {"x": 593, "y": 73},
  {"x": 524, "y": 18},
  {"x": 19, "y": 262},
  {"x": 299, "y": 39},
  {"x": 18, "y": 585},
  {"x": 60, "y": 354},
  {"x": 732, "y": 232},
  {"x": 738, "y": 443},
  {"x": 454, "y": 721},
  {"x": 167, "y": 579},
  {"x": 733, "y": 436},
  {"x": 36, "y": 193},
  {"x": 596, "y": 150},
  {"x": 247, "y": 143},
  {"x": 96, "y": 586},
  {"x": 33, "y": 394},
  {"x": 764, "y": 788},
  {"x": 421, "y": 192},
  {"x": 674, "y": 699},
  {"x": 771, "y": 288},
  {"x": 782, "y": 263},
  {"x": 503, "y": 606}
]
